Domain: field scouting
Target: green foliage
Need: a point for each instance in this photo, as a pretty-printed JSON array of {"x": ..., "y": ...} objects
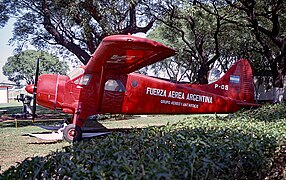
[
  {"x": 21, "y": 67},
  {"x": 234, "y": 147},
  {"x": 268, "y": 113}
]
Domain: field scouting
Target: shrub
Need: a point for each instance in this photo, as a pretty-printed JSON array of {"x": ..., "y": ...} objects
[{"x": 240, "y": 146}]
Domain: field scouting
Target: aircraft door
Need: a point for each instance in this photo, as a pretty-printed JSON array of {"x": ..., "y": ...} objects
[{"x": 114, "y": 90}]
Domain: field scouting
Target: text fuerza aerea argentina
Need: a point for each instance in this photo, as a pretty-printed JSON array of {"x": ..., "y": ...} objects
[{"x": 178, "y": 95}]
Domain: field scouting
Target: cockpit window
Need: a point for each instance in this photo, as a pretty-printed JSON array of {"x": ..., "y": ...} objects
[
  {"x": 85, "y": 79},
  {"x": 75, "y": 73},
  {"x": 114, "y": 85}
]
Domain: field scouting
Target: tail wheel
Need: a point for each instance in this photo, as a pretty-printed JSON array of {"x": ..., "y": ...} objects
[{"x": 72, "y": 133}]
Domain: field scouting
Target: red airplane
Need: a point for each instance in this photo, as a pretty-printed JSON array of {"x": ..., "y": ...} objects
[{"x": 107, "y": 84}]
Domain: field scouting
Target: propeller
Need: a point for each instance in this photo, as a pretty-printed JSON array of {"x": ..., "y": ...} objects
[{"x": 35, "y": 90}]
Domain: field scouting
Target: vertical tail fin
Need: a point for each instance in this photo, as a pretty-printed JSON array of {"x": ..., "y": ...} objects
[{"x": 236, "y": 83}]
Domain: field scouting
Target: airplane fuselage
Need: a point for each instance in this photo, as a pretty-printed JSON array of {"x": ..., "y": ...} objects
[
  {"x": 147, "y": 95},
  {"x": 127, "y": 94}
]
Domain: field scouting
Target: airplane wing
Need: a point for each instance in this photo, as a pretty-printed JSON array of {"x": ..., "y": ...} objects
[{"x": 126, "y": 53}]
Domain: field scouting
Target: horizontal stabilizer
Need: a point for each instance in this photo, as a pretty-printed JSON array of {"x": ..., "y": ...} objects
[{"x": 246, "y": 104}]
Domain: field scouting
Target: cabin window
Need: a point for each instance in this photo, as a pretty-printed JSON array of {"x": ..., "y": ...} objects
[{"x": 114, "y": 85}]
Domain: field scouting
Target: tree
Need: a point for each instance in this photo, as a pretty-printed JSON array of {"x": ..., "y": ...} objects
[
  {"x": 21, "y": 67},
  {"x": 266, "y": 19},
  {"x": 223, "y": 30},
  {"x": 176, "y": 68},
  {"x": 78, "y": 26},
  {"x": 200, "y": 35}
]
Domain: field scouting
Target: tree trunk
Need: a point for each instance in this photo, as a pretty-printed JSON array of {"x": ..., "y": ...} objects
[
  {"x": 278, "y": 80},
  {"x": 203, "y": 74},
  {"x": 278, "y": 68},
  {"x": 277, "y": 75}
]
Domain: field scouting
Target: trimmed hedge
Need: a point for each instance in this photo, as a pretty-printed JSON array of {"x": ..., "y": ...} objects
[{"x": 238, "y": 146}]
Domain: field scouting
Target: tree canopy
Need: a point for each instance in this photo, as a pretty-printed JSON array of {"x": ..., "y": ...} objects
[
  {"x": 223, "y": 30},
  {"x": 205, "y": 32},
  {"x": 78, "y": 26},
  {"x": 21, "y": 67},
  {"x": 201, "y": 38},
  {"x": 266, "y": 19}
]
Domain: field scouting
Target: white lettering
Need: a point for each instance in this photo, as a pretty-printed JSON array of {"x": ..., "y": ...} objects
[
  {"x": 194, "y": 105},
  {"x": 223, "y": 86},
  {"x": 156, "y": 92},
  {"x": 175, "y": 103},
  {"x": 165, "y": 102},
  {"x": 180, "y": 95},
  {"x": 199, "y": 98},
  {"x": 175, "y": 94}
]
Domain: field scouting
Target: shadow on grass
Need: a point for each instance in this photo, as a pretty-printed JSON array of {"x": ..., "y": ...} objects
[
  {"x": 44, "y": 117},
  {"x": 44, "y": 142},
  {"x": 41, "y": 111},
  {"x": 28, "y": 122},
  {"x": 12, "y": 110},
  {"x": 157, "y": 153}
]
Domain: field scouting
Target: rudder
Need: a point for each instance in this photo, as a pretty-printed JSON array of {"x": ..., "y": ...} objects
[{"x": 236, "y": 83}]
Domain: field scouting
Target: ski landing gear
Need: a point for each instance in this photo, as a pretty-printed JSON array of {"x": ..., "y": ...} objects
[{"x": 70, "y": 132}]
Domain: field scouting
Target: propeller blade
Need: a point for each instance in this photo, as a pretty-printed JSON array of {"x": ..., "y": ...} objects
[{"x": 35, "y": 90}]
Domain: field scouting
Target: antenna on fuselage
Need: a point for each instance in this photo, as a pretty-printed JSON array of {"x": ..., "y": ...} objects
[{"x": 35, "y": 88}]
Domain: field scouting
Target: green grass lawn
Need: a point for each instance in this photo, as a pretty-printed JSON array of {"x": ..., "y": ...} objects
[
  {"x": 15, "y": 147},
  {"x": 12, "y": 103}
]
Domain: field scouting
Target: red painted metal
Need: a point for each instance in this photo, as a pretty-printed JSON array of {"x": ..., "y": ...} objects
[{"x": 107, "y": 85}]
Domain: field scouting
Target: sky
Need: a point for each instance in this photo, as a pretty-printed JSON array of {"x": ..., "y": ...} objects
[{"x": 5, "y": 50}]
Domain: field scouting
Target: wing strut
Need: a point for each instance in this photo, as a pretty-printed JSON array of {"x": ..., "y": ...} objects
[{"x": 101, "y": 88}]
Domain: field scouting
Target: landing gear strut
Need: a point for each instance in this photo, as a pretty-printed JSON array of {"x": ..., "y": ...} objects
[{"x": 72, "y": 133}]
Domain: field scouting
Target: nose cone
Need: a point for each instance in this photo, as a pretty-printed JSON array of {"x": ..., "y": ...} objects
[{"x": 30, "y": 88}]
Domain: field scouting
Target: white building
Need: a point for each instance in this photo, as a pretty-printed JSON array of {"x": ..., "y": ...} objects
[{"x": 4, "y": 98}]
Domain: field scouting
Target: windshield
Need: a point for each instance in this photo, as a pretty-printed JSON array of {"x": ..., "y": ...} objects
[{"x": 75, "y": 73}]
